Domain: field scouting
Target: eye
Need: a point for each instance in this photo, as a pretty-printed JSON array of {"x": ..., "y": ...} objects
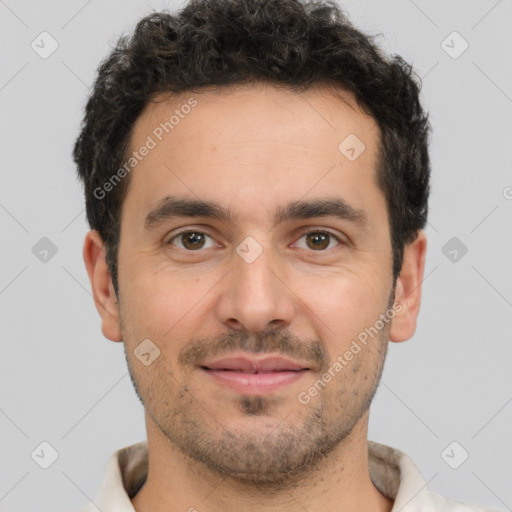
[
  {"x": 192, "y": 240},
  {"x": 319, "y": 240}
]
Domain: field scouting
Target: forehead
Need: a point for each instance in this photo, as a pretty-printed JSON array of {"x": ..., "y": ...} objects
[
  {"x": 233, "y": 114},
  {"x": 252, "y": 138}
]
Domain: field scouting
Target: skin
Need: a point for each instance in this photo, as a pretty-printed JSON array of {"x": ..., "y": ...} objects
[{"x": 254, "y": 149}]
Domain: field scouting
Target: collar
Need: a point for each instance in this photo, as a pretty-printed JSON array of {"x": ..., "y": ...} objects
[{"x": 392, "y": 472}]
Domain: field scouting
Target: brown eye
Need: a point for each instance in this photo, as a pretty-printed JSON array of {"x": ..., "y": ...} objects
[
  {"x": 191, "y": 240},
  {"x": 319, "y": 240}
]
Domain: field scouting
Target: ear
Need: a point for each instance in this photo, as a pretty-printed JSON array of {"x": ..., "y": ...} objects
[
  {"x": 101, "y": 282},
  {"x": 408, "y": 289}
]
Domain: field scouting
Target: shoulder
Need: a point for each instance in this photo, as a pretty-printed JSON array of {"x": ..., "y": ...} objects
[
  {"x": 439, "y": 503},
  {"x": 396, "y": 476}
]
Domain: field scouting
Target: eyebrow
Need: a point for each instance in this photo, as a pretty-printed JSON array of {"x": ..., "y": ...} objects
[{"x": 171, "y": 207}]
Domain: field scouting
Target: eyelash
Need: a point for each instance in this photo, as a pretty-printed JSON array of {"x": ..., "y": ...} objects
[{"x": 317, "y": 231}]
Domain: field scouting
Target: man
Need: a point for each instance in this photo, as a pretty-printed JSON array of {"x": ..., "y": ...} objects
[{"x": 256, "y": 177}]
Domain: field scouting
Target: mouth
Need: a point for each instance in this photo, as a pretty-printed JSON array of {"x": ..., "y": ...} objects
[{"x": 253, "y": 376}]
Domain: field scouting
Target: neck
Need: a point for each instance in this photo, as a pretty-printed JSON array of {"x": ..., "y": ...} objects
[{"x": 340, "y": 482}]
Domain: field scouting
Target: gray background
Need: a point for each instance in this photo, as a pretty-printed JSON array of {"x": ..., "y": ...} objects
[{"x": 63, "y": 383}]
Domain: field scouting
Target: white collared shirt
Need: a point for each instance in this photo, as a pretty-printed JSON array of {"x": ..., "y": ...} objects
[{"x": 392, "y": 472}]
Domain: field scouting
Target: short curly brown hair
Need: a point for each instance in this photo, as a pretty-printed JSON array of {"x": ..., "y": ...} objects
[{"x": 225, "y": 42}]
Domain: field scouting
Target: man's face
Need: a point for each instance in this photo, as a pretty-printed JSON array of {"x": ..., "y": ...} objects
[{"x": 204, "y": 288}]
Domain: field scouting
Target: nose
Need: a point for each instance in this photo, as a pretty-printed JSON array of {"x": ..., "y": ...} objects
[{"x": 255, "y": 297}]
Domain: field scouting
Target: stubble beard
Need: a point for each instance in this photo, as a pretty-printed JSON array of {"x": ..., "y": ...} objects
[{"x": 277, "y": 453}]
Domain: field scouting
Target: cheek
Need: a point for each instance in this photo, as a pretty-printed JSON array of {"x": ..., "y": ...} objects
[
  {"x": 166, "y": 308},
  {"x": 156, "y": 288},
  {"x": 346, "y": 303}
]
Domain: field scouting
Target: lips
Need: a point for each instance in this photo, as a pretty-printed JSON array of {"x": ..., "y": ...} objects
[
  {"x": 252, "y": 376},
  {"x": 246, "y": 365}
]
